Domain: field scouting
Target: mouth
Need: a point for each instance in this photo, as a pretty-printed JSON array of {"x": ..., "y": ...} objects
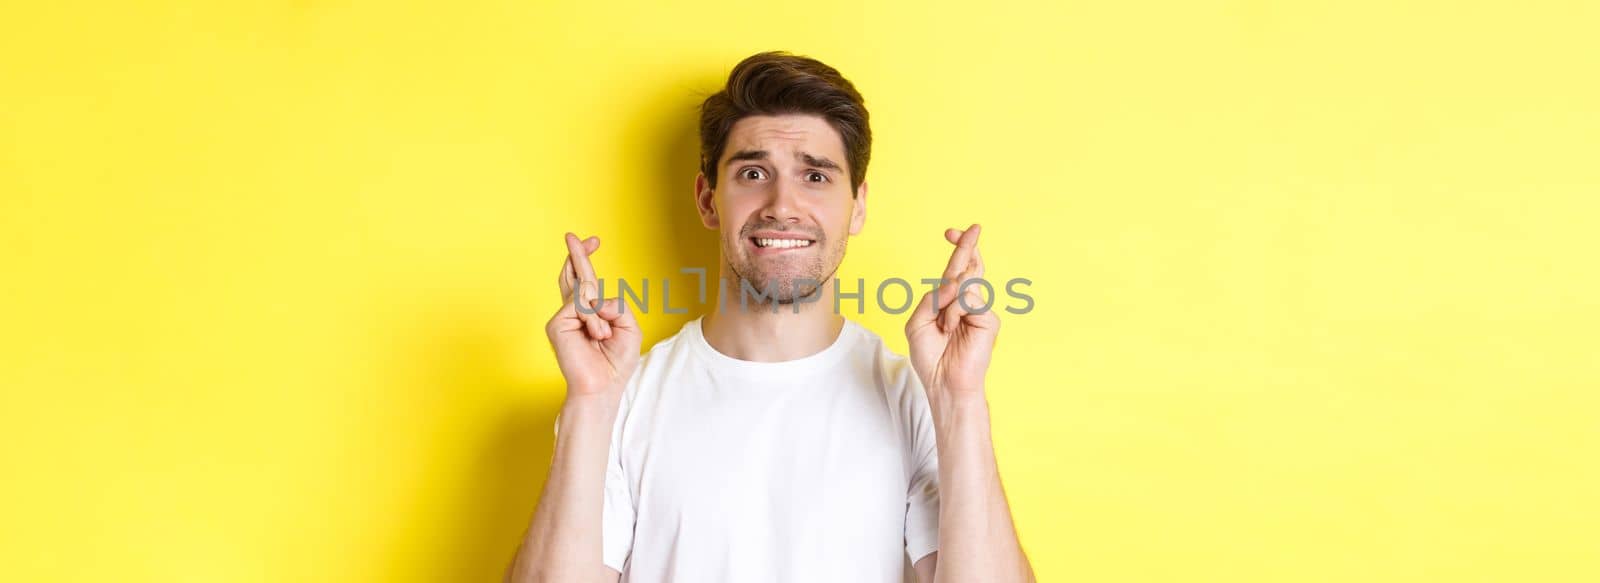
[{"x": 779, "y": 244}]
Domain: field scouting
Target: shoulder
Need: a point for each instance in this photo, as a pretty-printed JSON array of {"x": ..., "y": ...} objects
[
  {"x": 903, "y": 395},
  {"x": 891, "y": 369},
  {"x": 661, "y": 360}
]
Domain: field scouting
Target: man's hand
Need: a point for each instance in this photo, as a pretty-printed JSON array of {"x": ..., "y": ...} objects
[
  {"x": 950, "y": 346},
  {"x": 950, "y": 350},
  {"x": 597, "y": 345},
  {"x": 596, "y": 341}
]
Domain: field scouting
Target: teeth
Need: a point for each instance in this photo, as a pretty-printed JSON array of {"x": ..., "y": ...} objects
[{"x": 783, "y": 243}]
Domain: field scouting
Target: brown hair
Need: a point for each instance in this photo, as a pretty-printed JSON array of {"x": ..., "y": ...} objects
[{"x": 775, "y": 83}]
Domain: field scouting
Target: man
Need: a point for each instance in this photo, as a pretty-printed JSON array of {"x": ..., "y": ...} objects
[{"x": 762, "y": 444}]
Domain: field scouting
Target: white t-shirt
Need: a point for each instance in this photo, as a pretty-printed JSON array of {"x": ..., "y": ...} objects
[{"x": 817, "y": 469}]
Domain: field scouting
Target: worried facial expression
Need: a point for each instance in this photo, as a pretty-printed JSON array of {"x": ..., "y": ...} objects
[{"x": 783, "y": 204}]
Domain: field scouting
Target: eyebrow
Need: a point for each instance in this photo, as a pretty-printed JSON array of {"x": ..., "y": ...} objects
[
  {"x": 814, "y": 161},
  {"x": 747, "y": 155},
  {"x": 819, "y": 162}
]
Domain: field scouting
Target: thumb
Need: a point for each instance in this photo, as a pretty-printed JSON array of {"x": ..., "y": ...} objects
[
  {"x": 925, "y": 314},
  {"x": 617, "y": 314}
]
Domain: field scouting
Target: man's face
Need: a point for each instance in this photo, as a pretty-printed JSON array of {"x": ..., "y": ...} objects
[{"x": 783, "y": 203}]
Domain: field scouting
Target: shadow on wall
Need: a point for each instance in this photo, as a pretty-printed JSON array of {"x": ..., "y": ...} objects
[
  {"x": 675, "y": 132},
  {"x": 495, "y": 502},
  {"x": 479, "y": 449},
  {"x": 499, "y": 497}
]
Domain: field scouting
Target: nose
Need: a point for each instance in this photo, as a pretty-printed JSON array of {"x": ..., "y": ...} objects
[{"x": 783, "y": 204}]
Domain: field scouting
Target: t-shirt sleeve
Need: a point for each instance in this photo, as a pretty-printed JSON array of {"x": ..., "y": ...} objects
[{"x": 922, "y": 498}]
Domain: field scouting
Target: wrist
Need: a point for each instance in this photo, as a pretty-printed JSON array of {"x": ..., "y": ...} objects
[
  {"x": 958, "y": 416},
  {"x": 944, "y": 396},
  {"x": 589, "y": 403}
]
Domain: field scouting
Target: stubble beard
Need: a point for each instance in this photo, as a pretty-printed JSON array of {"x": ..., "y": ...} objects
[{"x": 791, "y": 278}]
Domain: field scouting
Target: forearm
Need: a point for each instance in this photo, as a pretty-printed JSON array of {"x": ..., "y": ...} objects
[
  {"x": 977, "y": 539},
  {"x": 564, "y": 541}
]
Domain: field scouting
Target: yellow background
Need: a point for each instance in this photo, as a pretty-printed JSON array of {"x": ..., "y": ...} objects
[{"x": 1315, "y": 283}]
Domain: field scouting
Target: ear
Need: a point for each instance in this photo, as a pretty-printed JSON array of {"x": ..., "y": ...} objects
[
  {"x": 705, "y": 201},
  {"x": 858, "y": 216}
]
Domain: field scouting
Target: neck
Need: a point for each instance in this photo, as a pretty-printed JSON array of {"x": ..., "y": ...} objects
[{"x": 753, "y": 332}]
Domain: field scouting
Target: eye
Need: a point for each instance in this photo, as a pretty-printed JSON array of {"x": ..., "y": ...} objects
[
  {"x": 752, "y": 173},
  {"x": 814, "y": 176}
]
